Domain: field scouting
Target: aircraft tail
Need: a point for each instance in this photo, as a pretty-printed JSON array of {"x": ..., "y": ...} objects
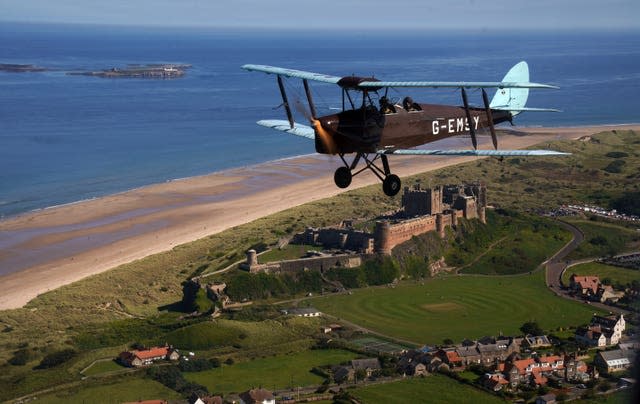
[{"x": 513, "y": 99}]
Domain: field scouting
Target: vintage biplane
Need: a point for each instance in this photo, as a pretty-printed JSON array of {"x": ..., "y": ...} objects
[{"x": 373, "y": 127}]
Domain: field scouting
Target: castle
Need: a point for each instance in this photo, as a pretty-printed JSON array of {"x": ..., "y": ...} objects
[{"x": 422, "y": 211}]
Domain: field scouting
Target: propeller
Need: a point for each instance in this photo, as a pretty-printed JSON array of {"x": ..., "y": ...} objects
[{"x": 321, "y": 133}]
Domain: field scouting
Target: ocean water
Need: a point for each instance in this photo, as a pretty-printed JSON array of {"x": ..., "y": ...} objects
[{"x": 68, "y": 138}]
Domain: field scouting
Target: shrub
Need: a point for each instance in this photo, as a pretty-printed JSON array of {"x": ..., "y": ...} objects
[{"x": 56, "y": 358}]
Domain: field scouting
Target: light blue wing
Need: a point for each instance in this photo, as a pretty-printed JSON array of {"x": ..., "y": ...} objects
[
  {"x": 454, "y": 84},
  {"x": 493, "y": 153},
  {"x": 300, "y": 74},
  {"x": 283, "y": 126}
]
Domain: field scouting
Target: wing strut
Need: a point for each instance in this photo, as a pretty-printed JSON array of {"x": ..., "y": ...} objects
[
  {"x": 312, "y": 107},
  {"x": 472, "y": 131},
  {"x": 487, "y": 108},
  {"x": 285, "y": 102}
]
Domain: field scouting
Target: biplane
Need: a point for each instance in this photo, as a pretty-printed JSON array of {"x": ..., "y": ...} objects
[{"x": 373, "y": 127}]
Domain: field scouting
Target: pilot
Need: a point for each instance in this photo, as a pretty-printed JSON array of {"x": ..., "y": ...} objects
[
  {"x": 407, "y": 104},
  {"x": 385, "y": 107}
]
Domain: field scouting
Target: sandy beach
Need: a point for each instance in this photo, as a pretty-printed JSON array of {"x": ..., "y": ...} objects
[{"x": 43, "y": 250}]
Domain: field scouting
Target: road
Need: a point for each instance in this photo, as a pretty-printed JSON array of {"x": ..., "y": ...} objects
[{"x": 556, "y": 266}]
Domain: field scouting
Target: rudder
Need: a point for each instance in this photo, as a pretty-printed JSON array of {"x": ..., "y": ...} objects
[{"x": 516, "y": 98}]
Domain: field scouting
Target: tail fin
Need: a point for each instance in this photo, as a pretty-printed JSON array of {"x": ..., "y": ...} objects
[{"x": 513, "y": 99}]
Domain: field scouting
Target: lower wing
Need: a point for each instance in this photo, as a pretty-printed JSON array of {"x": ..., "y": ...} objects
[{"x": 309, "y": 133}]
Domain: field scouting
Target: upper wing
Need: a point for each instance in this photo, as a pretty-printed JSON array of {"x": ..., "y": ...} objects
[
  {"x": 494, "y": 153},
  {"x": 325, "y": 78},
  {"x": 454, "y": 84},
  {"x": 283, "y": 126}
]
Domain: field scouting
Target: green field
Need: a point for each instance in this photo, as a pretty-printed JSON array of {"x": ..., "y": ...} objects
[
  {"x": 103, "y": 366},
  {"x": 128, "y": 390},
  {"x": 431, "y": 389},
  {"x": 278, "y": 372},
  {"x": 616, "y": 274},
  {"x": 456, "y": 307}
]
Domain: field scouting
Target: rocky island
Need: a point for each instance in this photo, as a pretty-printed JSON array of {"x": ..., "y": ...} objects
[
  {"x": 161, "y": 71},
  {"x": 18, "y": 68}
]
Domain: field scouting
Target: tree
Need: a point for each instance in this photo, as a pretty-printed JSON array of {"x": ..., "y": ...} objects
[
  {"x": 447, "y": 341},
  {"x": 531, "y": 328}
]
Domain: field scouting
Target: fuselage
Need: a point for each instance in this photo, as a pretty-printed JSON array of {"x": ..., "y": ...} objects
[{"x": 367, "y": 130}]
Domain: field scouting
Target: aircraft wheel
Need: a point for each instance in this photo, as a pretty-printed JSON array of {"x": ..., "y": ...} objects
[
  {"x": 391, "y": 185},
  {"x": 342, "y": 177}
]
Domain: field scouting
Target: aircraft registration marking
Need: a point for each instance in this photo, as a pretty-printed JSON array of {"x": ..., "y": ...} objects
[{"x": 453, "y": 125}]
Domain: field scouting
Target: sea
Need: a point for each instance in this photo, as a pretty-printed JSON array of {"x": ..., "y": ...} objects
[{"x": 66, "y": 138}]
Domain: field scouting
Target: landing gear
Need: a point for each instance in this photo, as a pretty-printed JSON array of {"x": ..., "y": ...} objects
[
  {"x": 342, "y": 177},
  {"x": 391, "y": 185},
  {"x": 390, "y": 182}
]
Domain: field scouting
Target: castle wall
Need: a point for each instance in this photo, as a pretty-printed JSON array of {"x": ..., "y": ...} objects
[{"x": 313, "y": 263}]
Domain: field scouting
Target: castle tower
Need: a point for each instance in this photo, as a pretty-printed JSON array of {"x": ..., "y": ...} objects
[
  {"x": 440, "y": 225},
  {"x": 434, "y": 200},
  {"x": 252, "y": 258},
  {"x": 454, "y": 218},
  {"x": 382, "y": 237}
]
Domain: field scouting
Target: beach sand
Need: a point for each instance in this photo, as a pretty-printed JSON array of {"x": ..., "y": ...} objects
[{"x": 46, "y": 249}]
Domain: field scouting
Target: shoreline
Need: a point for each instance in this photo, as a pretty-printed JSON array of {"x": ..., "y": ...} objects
[{"x": 44, "y": 249}]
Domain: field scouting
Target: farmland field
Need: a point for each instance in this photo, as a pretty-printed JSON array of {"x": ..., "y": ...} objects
[
  {"x": 277, "y": 372},
  {"x": 456, "y": 307},
  {"x": 433, "y": 389}
]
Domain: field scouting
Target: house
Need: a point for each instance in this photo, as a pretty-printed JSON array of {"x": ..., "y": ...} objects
[
  {"x": 450, "y": 357},
  {"x": 575, "y": 370},
  {"x": 494, "y": 381},
  {"x": 606, "y": 294},
  {"x": 369, "y": 365},
  {"x": 614, "y": 361},
  {"x": 304, "y": 312},
  {"x": 136, "y": 358},
  {"x": 533, "y": 371},
  {"x": 546, "y": 399},
  {"x": 585, "y": 286},
  {"x": 603, "y": 331},
  {"x": 257, "y": 396},
  {"x": 536, "y": 341},
  {"x": 206, "y": 400}
]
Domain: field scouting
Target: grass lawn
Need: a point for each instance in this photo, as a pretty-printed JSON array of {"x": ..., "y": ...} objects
[
  {"x": 128, "y": 390},
  {"x": 278, "y": 372},
  {"x": 103, "y": 366},
  {"x": 432, "y": 389},
  {"x": 456, "y": 307},
  {"x": 616, "y": 274},
  {"x": 602, "y": 239}
]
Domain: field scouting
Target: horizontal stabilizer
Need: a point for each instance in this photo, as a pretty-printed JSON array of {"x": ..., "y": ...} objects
[
  {"x": 283, "y": 126},
  {"x": 493, "y": 153},
  {"x": 523, "y": 109}
]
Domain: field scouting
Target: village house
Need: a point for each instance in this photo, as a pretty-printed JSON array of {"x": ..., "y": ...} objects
[
  {"x": 614, "y": 361},
  {"x": 494, "y": 381},
  {"x": 343, "y": 374},
  {"x": 533, "y": 371},
  {"x": 535, "y": 342},
  {"x": 546, "y": 399},
  {"x": 137, "y": 358},
  {"x": 603, "y": 331},
  {"x": 257, "y": 396},
  {"x": 590, "y": 287}
]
